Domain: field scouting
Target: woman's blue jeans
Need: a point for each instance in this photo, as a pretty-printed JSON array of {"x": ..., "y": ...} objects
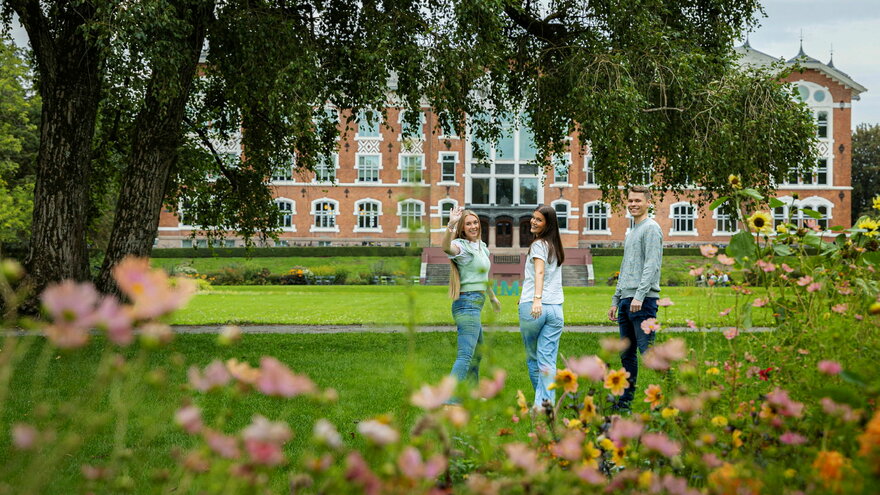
[
  {"x": 466, "y": 311},
  {"x": 541, "y": 338}
]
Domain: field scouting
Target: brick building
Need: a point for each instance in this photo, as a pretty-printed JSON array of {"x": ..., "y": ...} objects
[{"x": 382, "y": 188}]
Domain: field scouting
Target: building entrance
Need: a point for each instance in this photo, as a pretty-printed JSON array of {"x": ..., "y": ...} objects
[{"x": 504, "y": 232}]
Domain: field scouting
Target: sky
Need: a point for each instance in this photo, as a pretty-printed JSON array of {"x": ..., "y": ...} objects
[{"x": 851, "y": 27}]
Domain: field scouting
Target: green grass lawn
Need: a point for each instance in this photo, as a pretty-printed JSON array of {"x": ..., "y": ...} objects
[
  {"x": 373, "y": 374},
  {"x": 422, "y": 305},
  {"x": 409, "y": 265}
]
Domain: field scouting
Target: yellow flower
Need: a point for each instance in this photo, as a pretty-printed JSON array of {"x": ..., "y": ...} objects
[
  {"x": 607, "y": 444},
  {"x": 719, "y": 421},
  {"x": 734, "y": 181},
  {"x": 591, "y": 455},
  {"x": 713, "y": 371},
  {"x": 830, "y": 465},
  {"x": 521, "y": 402},
  {"x": 567, "y": 380},
  {"x": 707, "y": 438},
  {"x": 789, "y": 473},
  {"x": 761, "y": 222},
  {"x": 669, "y": 412},
  {"x": 782, "y": 228},
  {"x": 616, "y": 381},
  {"x": 588, "y": 412},
  {"x": 653, "y": 395},
  {"x": 574, "y": 424},
  {"x": 645, "y": 480},
  {"x": 877, "y": 202},
  {"x": 870, "y": 225},
  {"x": 618, "y": 456},
  {"x": 736, "y": 437}
]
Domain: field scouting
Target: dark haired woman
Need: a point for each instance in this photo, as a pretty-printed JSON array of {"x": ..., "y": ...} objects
[
  {"x": 468, "y": 288},
  {"x": 540, "y": 304}
]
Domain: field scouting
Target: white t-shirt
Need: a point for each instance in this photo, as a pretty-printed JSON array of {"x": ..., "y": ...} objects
[{"x": 552, "y": 293}]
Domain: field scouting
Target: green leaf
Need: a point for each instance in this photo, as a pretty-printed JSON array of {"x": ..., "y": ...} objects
[
  {"x": 753, "y": 194},
  {"x": 840, "y": 395},
  {"x": 852, "y": 377},
  {"x": 718, "y": 202},
  {"x": 812, "y": 213},
  {"x": 812, "y": 240},
  {"x": 775, "y": 203},
  {"x": 742, "y": 244},
  {"x": 872, "y": 258},
  {"x": 782, "y": 250},
  {"x": 837, "y": 228},
  {"x": 746, "y": 314}
]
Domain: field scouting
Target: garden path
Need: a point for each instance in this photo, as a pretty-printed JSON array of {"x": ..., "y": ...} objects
[{"x": 295, "y": 329}]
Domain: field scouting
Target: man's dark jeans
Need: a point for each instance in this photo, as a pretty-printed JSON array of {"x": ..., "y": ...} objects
[{"x": 630, "y": 324}]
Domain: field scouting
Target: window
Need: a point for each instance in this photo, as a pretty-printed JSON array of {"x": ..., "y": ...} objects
[
  {"x": 283, "y": 172},
  {"x": 794, "y": 211},
  {"x": 725, "y": 221},
  {"x": 447, "y": 166},
  {"x": 368, "y": 168},
  {"x": 562, "y": 214},
  {"x": 506, "y": 176},
  {"x": 445, "y": 208},
  {"x": 287, "y": 209},
  {"x": 368, "y": 124},
  {"x": 411, "y": 168},
  {"x": 325, "y": 211},
  {"x": 368, "y": 212},
  {"x": 409, "y": 130},
  {"x": 229, "y": 243},
  {"x": 325, "y": 168},
  {"x": 410, "y": 212},
  {"x": 589, "y": 172},
  {"x": 683, "y": 216},
  {"x": 596, "y": 214},
  {"x": 560, "y": 169},
  {"x": 822, "y": 124},
  {"x": 821, "y": 172}
]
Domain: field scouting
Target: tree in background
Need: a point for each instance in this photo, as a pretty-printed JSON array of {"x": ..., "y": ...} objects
[
  {"x": 865, "y": 169},
  {"x": 127, "y": 106},
  {"x": 19, "y": 115}
]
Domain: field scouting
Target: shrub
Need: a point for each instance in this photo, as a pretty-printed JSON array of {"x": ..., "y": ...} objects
[
  {"x": 276, "y": 252},
  {"x": 298, "y": 275}
]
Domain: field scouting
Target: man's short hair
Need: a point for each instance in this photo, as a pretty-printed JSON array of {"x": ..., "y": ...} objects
[{"x": 641, "y": 189}]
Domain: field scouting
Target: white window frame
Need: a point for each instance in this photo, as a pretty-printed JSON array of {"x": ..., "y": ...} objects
[
  {"x": 422, "y": 120},
  {"x": 439, "y": 214},
  {"x": 334, "y": 213},
  {"x": 589, "y": 171},
  {"x": 401, "y": 157},
  {"x": 357, "y": 166},
  {"x": 292, "y": 203},
  {"x": 568, "y": 216},
  {"x": 693, "y": 219},
  {"x": 335, "y": 159},
  {"x": 716, "y": 218},
  {"x": 812, "y": 202},
  {"x": 587, "y": 215},
  {"x": 357, "y": 214},
  {"x": 400, "y": 208},
  {"x": 565, "y": 159},
  {"x": 378, "y": 122},
  {"x": 440, "y": 156}
]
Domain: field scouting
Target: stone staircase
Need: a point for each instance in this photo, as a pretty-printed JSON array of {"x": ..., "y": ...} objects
[
  {"x": 574, "y": 275},
  {"x": 437, "y": 274}
]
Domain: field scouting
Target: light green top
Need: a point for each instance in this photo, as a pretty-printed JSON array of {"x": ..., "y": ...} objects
[{"x": 473, "y": 264}]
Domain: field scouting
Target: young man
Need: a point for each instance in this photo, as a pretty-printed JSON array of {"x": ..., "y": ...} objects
[{"x": 638, "y": 286}]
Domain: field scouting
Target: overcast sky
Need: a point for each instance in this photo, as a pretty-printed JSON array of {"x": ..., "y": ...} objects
[{"x": 851, "y": 26}]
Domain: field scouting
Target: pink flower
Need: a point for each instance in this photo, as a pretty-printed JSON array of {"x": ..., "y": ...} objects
[
  {"x": 664, "y": 302},
  {"x": 411, "y": 465},
  {"x": 725, "y": 260},
  {"x": 659, "y": 442},
  {"x": 813, "y": 225},
  {"x": 225, "y": 446},
  {"x": 488, "y": 389},
  {"x": 650, "y": 325},
  {"x": 377, "y": 432},
  {"x": 782, "y": 404},
  {"x": 712, "y": 461},
  {"x": 805, "y": 280},
  {"x": 571, "y": 446},
  {"x": 829, "y": 367},
  {"x": 276, "y": 379},
  {"x": 787, "y": 268},
  {"x": 70, "y": 303},
  {"x": 687, "y": 404},
  {"x": 590, "y": 475},
  {"x": 814, "y": 287},
  {"x": 263, "y": 440},
  {"x": 215, "y": 376},
  {"x": 725, "y": 312},
  {"x": 691, "y": 324},
  {"x": 429, "y": 398},
  {"x": 623, "y": 429},
  {"x": 661, "y": 356},
  {"x": 358, "y": 472},
  {"x": 731, "y": 333},
  {"x": 67, "y": 336},
  {"x": 325, "y": 433},
  {"x": 708, "y": 250},
  {"x": 792, "y": 438},
  {"x": 150, "y": 291},
  {"x": 759, "y": 302},
  {"x": 858, "y": 317},
  {"x": 766, "y": 266},
  {"x": 153, "y": 334},
  {"x": 524, "y": 458},
  {"x": 614, "y": 344},
  {"x": 591, "y": 367},
  {"x": 189, "y": 418},
  {"x": 115, "y": 319},
  {"x": 24, "y": 436},
  {"x": 696, "y": 272}
]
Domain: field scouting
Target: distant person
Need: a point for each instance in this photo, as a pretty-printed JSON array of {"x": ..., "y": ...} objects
[
  {"x": 638, "y": 287},
  {"x": 468, "y": 288},
  {"x": 540, "y": 304}
]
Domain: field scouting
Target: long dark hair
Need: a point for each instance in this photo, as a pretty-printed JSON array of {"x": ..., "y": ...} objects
[{"x": 550, "y": 234}]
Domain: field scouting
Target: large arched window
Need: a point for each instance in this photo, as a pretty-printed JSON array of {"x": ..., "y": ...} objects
[
  {"x": 368, "y": 212},
  {"x": 287, "y": 209},
  {"x": 725, "y": 220},
  {"x": 794, "y": 212},
  {"x": 684, "y": 216},
  {"x": 445, "y": 207},
  {"x": 596, "y": 215},
  {"x": 410, "y": 212},
  {"x": 324, "y": 211},
  {"x": 563, "y": 209}
]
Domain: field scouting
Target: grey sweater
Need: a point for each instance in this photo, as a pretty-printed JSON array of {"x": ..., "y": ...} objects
[{"x": 640, "y": 269}]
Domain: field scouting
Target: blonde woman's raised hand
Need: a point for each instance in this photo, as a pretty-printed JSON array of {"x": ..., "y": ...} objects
[{"x": 455, "y": 216}]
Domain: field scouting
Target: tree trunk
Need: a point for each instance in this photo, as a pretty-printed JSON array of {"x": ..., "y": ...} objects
[
  {"x": 157, "y": 137},
  {"x": 70, "y": 87}
]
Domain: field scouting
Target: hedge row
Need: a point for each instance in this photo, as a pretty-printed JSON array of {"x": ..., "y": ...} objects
[
  {"x": 666, "y": 251},
  {"x": 285, "y": 252}
]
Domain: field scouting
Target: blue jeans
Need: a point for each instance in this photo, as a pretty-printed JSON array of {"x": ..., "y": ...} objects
[
  {"x": 541, "y": 338},
  {"x": 466, "y": 311},
  {"x": 630, "y": 324}
]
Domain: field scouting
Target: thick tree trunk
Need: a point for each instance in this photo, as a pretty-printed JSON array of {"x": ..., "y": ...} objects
[
  {"x": 155, "y": 143},
  {"x": 70, "y": 87}
]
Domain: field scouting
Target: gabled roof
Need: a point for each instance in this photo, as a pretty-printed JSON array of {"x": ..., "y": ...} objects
[{"x": 749, "y": 56}]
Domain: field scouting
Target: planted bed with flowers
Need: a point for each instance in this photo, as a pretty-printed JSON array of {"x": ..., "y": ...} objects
[{"x": 104, "y": 398}]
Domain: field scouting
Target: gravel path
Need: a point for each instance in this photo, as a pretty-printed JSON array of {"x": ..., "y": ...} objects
[{"x": 297, "y": 329}]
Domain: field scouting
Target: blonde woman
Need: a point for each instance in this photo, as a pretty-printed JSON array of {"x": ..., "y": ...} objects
[{"x": 468, "y": 288}]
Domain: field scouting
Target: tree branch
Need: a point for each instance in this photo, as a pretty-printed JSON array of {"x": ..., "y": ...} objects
[{"x": 543, "y": 30}]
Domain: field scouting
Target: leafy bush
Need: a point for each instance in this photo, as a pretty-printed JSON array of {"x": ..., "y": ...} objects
[
  {"x": 276, "y": 252},
  {"x": 297, "y": 275}
]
